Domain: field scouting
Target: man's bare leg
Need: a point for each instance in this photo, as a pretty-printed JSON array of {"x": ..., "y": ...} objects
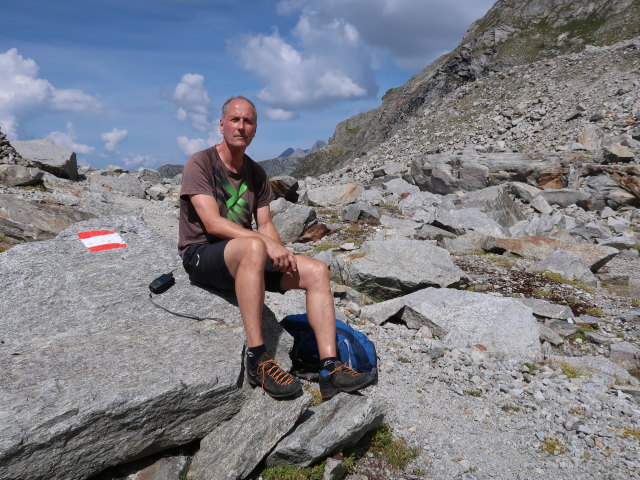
[
  {"x": 313, "y": 276},
  {"x": 245, "y": 258}
]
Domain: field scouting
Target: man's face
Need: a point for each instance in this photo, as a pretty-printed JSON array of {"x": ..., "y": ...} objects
[{"x": 238, "y": 126}]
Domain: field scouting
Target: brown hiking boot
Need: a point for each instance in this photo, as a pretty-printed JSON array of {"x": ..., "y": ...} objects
[
  {"x": 343, "y": 379},
  {"x": 273, "y": 379}
]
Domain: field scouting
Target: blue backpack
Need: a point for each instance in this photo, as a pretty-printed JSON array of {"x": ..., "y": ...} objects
[{"x": 354, "y": 347}]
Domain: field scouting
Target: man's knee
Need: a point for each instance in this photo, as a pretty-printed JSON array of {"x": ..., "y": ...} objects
[
  {"x": 249, "y": 250},
  {"x": 316, "y": 273}
]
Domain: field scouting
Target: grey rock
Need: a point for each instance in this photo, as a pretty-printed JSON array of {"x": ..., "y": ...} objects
[
  {"x": 630, "y": 316},
  {"x": 126, "y": 184},
  {"x": 469, "y": 242},
  {"x": 285, "y": 186},
  {"x": 167, "y": 468},
  {"x": 545, "y": 309},
  {"x": 625, "y": 354},
  {"x": 232, "y": 450},
  {"x": 461, "y": 318},
  {"x": 148, "y": 175},
  {"x": 19, "y": 176},
  {"x": 468, "y": 219},
  {"x": 590, "y": 364},
  {"x": 329, "y": 427},
  {"x": 541, "y": 205},
  {"x": 360, "y": 210},
  {"x": 157, "y": 192},
  {"x": 94, "y": 374},
  {"x": 429, "y": 232},
  {"x": 334, "y": 469},
  {"x": 398, "y": 186},
  {"x": 616, "y": 152},
  {"x": 600, "y": 339},
  {"x": 591, "y": 137},
  {"x": 416, "y": 264},
  {"x": 548, "y": 334},
  {"x": 399, "y": 223},
  {"x": 523, "y": 190},
  {"x": 568, "y": 265},
  {"x": 28, "y": 220},
  {"x": 334, "y": 195},
  {"x": 565, "y": 197},
  {"x": 496, "y": 203},
  {"x": 293, "y": 221},
  {"x": 46, "y": 156},
  {"x": 561, "y": 327}
]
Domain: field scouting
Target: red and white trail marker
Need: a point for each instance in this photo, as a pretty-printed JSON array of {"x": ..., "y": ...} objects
[{"x": 97, "y": 240}]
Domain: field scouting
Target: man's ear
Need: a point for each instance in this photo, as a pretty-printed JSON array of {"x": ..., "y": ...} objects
[{"x": 220, "y": 125}]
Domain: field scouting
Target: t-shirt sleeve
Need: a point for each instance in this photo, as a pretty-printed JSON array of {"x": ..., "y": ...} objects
[
  {"x": 195, "y": 177},
  {"x": 264, "y": 195}
]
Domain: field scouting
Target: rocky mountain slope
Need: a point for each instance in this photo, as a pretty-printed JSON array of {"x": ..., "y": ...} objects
[
  {"x": 511, "y": 34},
  {"x": 489, "y": 243}
]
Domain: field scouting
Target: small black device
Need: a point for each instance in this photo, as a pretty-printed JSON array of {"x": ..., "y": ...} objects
[{"x": 162, "y": 283}]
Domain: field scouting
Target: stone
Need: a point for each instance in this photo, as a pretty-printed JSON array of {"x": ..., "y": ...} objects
[
  {"x": 429, "y": 232},
  {"x": 616, "y": 152},
  {"x": 568, "y": 265},
  {"x": 125, "y": 184},
  {"x": 541, "y": 205},
  {"x": 537, "y": 248},
  {"x": 416, "y": 265},
  {"x": 94, "y": 374},
  {"x": 334, "y": 195},
  {"x": 334, "y": 469},
  {"x": 496, "y": 203},
  {"x": 523, "y": 190},
  {"x": 561, "y": 327},
  {"x": 360, "y": 210},
  {"x": 625, "y": 354},
  {"x": 286, "y": 187},
  {"x": 292, "y": 222},
  {"x": 417, "y": 201},
  {"x": 328, "y": 428},
  {"x": 167, "y": 468},
  {"x": 549, "y": 335},
  {"x": 400, "y": 187},
  {"x": 542, "y": 308},
  {"x": 461, "y": 318},
  {"x": 469, "y": 242},
  {"x": 315, "y": 232},
  {"x": 28, "y": 220},
  {"x": 591, "y": 137},
  {"x": 468, "y": 219},
  {"x": 589, "y": 364},
  {"x": 564, "y": 197},
  {"x": 157, "y": 192},
  {"x": 232, "y": 451},
  {"x": 151, "y": 176},
  {"x": 19, "y": 176},
  {"x": 47, "y": 156}
]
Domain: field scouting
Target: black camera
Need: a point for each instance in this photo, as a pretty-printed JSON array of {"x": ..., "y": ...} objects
[{"x": 162, "y": 283}]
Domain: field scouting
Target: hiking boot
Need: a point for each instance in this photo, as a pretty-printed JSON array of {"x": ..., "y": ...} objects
[
  {"x": 342, "y": 379},
  {"x": 273, "y": 379}
]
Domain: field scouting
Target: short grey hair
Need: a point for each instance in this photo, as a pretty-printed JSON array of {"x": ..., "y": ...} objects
[{"x": 225, "y": 105}]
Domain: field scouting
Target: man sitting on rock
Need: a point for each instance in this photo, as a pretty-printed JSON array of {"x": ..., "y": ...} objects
[{"x": 222, "y": 191}]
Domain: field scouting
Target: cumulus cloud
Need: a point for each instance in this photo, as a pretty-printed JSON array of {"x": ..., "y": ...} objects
[
  {"x": 414, "y": 32},
  {"x": 23, "y": 95},
  {"x": 113, "y": 138},
  {"x": 68, "y": 139},
  {"x": 279, "y": 114},
  {"x": 328, "y": 63},
  {"x": 190, "y": 146},
  {"x": 134, "y": 161},
  {"x": 194, "y": 104}
]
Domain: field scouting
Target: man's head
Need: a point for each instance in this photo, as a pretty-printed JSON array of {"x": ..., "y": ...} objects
[{"x": 238, "y": 122}]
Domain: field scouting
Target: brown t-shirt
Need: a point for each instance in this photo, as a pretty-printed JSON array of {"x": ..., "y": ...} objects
[{"x": 239, "y": 196}]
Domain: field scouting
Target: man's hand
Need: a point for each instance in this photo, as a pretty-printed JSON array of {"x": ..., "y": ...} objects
[{"x": 283, "y": 260}]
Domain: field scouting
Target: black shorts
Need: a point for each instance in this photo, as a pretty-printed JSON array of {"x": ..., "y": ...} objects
[{"x": 205, "y": 265}]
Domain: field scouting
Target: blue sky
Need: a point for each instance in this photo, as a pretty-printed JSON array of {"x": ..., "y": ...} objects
[{"x": 141, "y": 82}]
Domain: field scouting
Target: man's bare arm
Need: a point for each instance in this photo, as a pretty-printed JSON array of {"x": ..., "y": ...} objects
[{"x": 215, "y": 224}]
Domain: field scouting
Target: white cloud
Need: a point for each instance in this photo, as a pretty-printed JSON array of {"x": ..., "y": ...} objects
[
  {"x": 68, "y": 139},
  {"x": 192, "y": 99},
  {"x": 329, "y": 64},
  {"x": 190, "y": 146},
  {"x": 414, "y": 32},
  {"x": 139, "y": 161},
  {"x": 279, "y": 114},
  {"x": 23, "y": 95},
  {"x": 113, "y": 138}
]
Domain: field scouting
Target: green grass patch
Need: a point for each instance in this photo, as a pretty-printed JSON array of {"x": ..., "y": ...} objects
[
  {"x": 473, "y": 392},
  {"x": 509, "y": 408},
  {"x": 323, "y": 247},
  {"x": 631, "y": 432},
  {"x": 556, "y": 277},
  {"x": 315, "y": 393},
  {"x": 530, "y": 366},
  {"x": 594, "y": 312},
  {"x": 553, "y": 446},
  {"x": 383, "y": 445},
  {"x": 404, "y": 360},
  {"x": 541, "y": 292},
  {"x": 570, "y": 371},
  {"x": 290, "y": 472}
]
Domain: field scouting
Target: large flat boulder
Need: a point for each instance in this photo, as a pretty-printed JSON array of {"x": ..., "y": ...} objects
[
  {"x": 47, "y": 156},
  {"x": 93, "y": 373},
  {"x": 496, "y": 203},
  {"x": 389, "y": 268},
  {"x": 30, "y": 220}
]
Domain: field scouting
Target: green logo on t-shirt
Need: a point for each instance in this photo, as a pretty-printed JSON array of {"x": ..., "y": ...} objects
[{"x": 236, "y": 206}]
